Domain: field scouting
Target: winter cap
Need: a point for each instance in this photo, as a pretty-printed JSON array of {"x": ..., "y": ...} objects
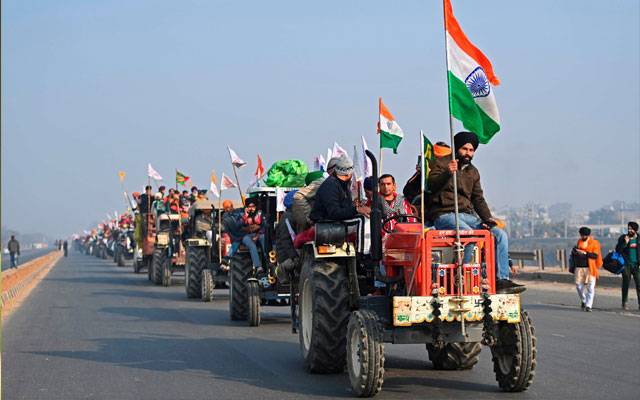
[
  {"x": 313, "y": 176},
  {"x": 332, "y": 163},
  {"x": 344, "y": 166},
  {"x": 288, "y": 199},
  {"x": 462, "y": 138},
  {"x": 633, "y": 225},
  {"x": 584, "y": 231}
]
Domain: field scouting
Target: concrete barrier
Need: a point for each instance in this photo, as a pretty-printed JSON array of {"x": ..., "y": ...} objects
[{"x": 16, "y": 279}]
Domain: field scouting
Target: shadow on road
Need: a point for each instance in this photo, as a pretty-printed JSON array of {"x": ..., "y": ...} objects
[{"x": 247, "y": 360}]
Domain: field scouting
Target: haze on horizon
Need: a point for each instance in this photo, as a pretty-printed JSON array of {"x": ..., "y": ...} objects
[{"x": 91, "y": 88}]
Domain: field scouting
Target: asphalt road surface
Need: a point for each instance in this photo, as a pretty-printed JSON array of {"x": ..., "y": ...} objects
[
  {"x": 91, "y": 330},
  {"x": 25, "y": 255}
]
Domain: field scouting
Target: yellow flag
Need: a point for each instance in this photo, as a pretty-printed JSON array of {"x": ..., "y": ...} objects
[{"x": 121, "y": 175}]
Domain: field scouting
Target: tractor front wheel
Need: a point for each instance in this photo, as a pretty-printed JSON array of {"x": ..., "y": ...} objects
[
  {"x": 253, "y": 295},
  {"x": 514, "y": 354},
  {"x": 365, "y": 353}
]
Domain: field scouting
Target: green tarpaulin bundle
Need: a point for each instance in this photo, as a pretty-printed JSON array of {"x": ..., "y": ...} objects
[{"x": 287, "y": 173}]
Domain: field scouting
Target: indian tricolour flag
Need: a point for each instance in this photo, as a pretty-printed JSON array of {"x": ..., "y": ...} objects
[
  {"x": 471, "y": 78},
  {"x": 390, "y": 132}
]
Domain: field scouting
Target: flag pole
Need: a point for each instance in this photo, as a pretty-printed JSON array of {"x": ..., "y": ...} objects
[
  {"x": 176, "y": 178},
  {"x": 379, "y": 139},
  {"x": 423, "y": 241},
  {"x": 235, "y": 172},
  {"x": 459, "y": 249},
  {"x": 220, "y": 227}
]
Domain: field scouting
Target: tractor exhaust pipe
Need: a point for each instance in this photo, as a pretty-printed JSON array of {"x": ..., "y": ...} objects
[{"x": 376, "y": 214}]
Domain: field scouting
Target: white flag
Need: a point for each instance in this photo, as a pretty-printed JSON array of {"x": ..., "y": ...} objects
[
  {"x": 226, "y": 183},
  {"x": 153, "y": 174},
  {"x": 329, "y": 155},
  {"x": 337, "y": 150},
  {"x": 280, "y": 200},
  {"x": 235, "y": 160},
  {"x": 367, "y": 168},
  {"x": 322, "y": 163}
]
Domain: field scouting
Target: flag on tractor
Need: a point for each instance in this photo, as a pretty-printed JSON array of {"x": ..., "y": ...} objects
[
  {"x": 235, "y": 160},
  {"x": 214, "y": 186},
  {"x": 390, "y": 132},
  {"x": 427, "y": 156},
  {"x": 259, "y": 169},
  {"x": 152, "y": 173},
  {"x": 337, "y": 150},
  {"x": 470, "y": 76},
  {"x": 181, "y": 179},
  {"x": 367, "y": 167},
  {"x": 121, "y": 175},
  {"x": 226, "y": 183}
]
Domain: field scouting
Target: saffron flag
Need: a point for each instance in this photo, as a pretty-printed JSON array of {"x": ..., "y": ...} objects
[
  {"x": 470, "y": 76},
  {"x": 226, "y": 183},
  {"x": 121, "y": 175},
  {"x": 390, "y": 132},
  {"x": 152, "y": 173},
  {"x": 214, "y": 186},
  {"x": 235, "y": 160},
  {"x": 259, "y": 169},
  {"x": 181, "y": 179}
]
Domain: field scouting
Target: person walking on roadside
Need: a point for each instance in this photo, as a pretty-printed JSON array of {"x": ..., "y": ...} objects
[
  {"x": 65, "y": 247},
  {"x": 14, "y": 250},
  {"x": 587, "y": 259},
  {"x": 629, "y": 246}
]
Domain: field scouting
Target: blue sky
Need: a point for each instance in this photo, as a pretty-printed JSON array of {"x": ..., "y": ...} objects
[{"x": 93, "y": 87}]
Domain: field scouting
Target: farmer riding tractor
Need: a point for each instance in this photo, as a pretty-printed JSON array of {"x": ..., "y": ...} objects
[
  {"x": 169, "y": 253},
  {"x": 203, "y": 271},
  {"x": 251, "y": 288},
  {"x": 428, "y": 299}
]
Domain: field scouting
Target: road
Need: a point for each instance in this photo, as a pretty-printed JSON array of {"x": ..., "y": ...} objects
[
  {"x": 91, "y": 330},
  {"x": 25, "y": 255}
]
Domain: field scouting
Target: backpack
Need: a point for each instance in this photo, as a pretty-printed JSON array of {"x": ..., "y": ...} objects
[{"x": 613, "y": 262}]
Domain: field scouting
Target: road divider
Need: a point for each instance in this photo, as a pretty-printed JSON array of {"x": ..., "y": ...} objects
[{"x": 18, "y": 281}]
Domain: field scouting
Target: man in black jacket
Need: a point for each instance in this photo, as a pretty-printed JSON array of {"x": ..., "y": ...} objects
[
  {"x": 333, "y": 199},
  {"x": 629, "y": 246}
]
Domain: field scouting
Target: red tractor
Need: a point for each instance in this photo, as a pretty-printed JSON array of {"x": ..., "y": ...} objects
[{"x": 342, "y": 320}]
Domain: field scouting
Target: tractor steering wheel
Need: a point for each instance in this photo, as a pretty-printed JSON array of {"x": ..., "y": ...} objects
[{"x": 399, "y": 218}]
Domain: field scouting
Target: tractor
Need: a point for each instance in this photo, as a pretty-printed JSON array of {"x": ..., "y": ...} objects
[
  {"x": 249, "y": 288},
  {"x": 168, "y": 253},
  {"x": 343, "y": 321},
  {"x": 203, "y": 271},
  {"x": 124, "y": 246}
]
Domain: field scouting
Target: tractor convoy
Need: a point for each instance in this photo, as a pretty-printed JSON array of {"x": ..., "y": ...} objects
[{"x": 353, "y": 287}]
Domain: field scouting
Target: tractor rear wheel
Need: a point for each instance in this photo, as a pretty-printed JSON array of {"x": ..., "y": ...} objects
[
  {"x": 196, "y": 263},
  {"x": 207, "y": 286},
  {"x": 365, "y": 358},
  {"x": 253, "y": 295},
  {"x": 324, "y": 314},
  {"x": 157, "y": 265},
  {"x": 239, "y": 272},
  {"x": 454, "y": 356},
  {"x": 514, "y": 355}
]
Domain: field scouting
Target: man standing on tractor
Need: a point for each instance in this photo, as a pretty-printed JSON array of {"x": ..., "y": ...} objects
[
  {"x": 474, "y": 212},
  {"x": 253, "y": 224},
  {"x": 144, "y": 205},
  {"x": 232, "y": 225},
  {"x": 587, "y": 260}
]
